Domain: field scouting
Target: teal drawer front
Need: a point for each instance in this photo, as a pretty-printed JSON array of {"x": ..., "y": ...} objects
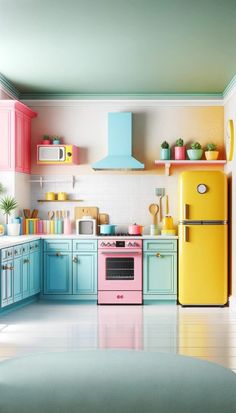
[
  {"x": 17, "y": 250},
  {"x": 7, "y": 254},
  {"x": 162, "y": 245},
  {"x": 25, "y": 248},
  {"x": 57, "y": 245},
  {"x": 34, "y": 246},
  {"x": 85, "y": 245}
]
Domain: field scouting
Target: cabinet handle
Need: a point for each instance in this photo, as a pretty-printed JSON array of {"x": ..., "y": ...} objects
[
  {"x": 5, "y": 267},
  {"x": 186, "y": 234},
  {"x": 158, "y": 255},
  {"x": 186, "y": 211},
  {"x": 26, "y": 261},
  {"x": 58, "y": 254},
  {"x": 75, "y": 259}
]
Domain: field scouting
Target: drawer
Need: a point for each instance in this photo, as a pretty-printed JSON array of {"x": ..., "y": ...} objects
[
  {"x": 34, "y": 246},
  {"x": 57, "y": 245},
  {"x": 7, "y": 253},
  {"x": 162, "y": 245},
  {"x": 17, "y": 250},
  {"x": 120, "y": 297},
  {"x": 25, "y": 248},
  {"x": 85, "y": 245}
]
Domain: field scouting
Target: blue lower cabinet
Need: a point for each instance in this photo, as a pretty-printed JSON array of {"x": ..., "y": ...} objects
[
  {"x": 58, "y": 273},
  {"x": 34, "y": 275},
  {"x": 85, "y": 273},
  {"x": 17, "y": 279},
  {"x": 26, "y": 276},
  {"x": 7, "y": 283}
]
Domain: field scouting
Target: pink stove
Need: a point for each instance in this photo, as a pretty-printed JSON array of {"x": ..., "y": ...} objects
[{"x": 119, "y": 271}]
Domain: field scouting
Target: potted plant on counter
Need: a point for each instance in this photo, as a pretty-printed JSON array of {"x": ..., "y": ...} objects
[
  {"x": 56, "y": 140},
  {"x": 211, "y": 152},
  {"x": 46, "y": 140},
  {"x": 165, "y": 151},
  {"x": 180, "y": 150},
  {"x": 195, "y": 153},
  {"x": 7, "y": 205}
]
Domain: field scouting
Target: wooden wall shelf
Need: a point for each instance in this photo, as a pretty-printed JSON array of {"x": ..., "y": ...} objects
[
  {"x": 58, "y": 200},
  {"x": 168, "y": 163}
]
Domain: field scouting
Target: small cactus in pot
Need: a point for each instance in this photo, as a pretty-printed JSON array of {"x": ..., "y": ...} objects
[
  {"x": 180, "y": 150},
  {"x": 165, "y": 151},
  {"x": 211, "y": 152},
  {"x": 195, "y": 153}
]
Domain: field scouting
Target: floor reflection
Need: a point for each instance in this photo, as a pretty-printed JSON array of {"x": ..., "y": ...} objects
[{"x": 120, "y": 329}]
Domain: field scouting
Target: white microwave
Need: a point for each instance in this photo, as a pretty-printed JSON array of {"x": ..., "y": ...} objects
[
  {"x": 57, "y": 154},
  {"x": 86, "y": 226}
]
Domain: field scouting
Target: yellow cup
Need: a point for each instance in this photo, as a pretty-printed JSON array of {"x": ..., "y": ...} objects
[
  {"x": 167, "y": 222},
  {"x": 62, "y": 196},
  {"x": 50, "y": 196}
]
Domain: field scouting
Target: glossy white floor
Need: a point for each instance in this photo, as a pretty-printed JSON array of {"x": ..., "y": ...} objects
[{"x": 206, "y": 333}]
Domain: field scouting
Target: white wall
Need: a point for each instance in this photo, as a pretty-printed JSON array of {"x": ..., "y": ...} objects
[{"x": 230, "y": 169}]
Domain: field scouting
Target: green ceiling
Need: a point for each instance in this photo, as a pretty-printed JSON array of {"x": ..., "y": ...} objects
[{"x": 112, "y": 47}]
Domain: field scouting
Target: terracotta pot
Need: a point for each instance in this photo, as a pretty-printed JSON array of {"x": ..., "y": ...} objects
[
  {"x": 211, "y": 155},
  {"x": 180, "y": 153}
]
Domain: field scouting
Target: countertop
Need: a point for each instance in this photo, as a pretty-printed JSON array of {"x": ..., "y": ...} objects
[{"x": 7, "y": 241}]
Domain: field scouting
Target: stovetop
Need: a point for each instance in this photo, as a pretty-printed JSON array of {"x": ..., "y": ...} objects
[
  {"x": 121, "y": 243},
  {"x": 120, "y": 234}
]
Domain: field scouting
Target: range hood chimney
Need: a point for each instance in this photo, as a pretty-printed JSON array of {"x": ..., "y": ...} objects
[{"x": 119, "y": 144}]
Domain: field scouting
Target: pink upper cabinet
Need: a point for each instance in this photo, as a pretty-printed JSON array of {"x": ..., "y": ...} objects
[{"x": 15, "y": 134}]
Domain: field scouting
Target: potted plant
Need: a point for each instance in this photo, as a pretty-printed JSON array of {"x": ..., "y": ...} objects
[
  {"x": 46, "y": 140},
  {"x": 211, "y": 152},
  {"x": 195, "y": 153},
  {"x": 180, "y": 150},
  {"x": 56, "y": 140},
  {"x": 165, "y": 151},
  {"x": 7, "y": 205}
]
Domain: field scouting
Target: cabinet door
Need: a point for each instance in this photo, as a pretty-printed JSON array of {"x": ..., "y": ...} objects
[
  {"x": 27, "y": 145},
  {"x": 85, "y": 273},
  {"x": 25, "y": 276},
  {"x": 34, "y": 279},
  {"x": 19, "y": 142},
  {"x": 6, "y": 161},
  {"x": 160, "y": 273},
  {"x": 7, "y": 283},
  {"x": 58, "y": 273},
  {"x": 17, "y": 279}
]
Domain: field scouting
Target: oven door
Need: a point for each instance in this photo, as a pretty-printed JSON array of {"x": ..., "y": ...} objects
[{"x": 120, "y": 270}]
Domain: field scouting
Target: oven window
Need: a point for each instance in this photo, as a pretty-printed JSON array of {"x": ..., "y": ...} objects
[{"x": 119, "y": 268}]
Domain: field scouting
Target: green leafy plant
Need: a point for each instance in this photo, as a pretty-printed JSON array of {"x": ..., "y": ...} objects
[
  {"x": 211, "y": 147},
  {"x": 7, "y": 205},
  {"x": 46, "y": 138},
  {"x": 196, "y": 145},
  {"x": 2, "y": 189},
  {"x": 165, "y": 145},
  {"x": 179, "y": 142}
]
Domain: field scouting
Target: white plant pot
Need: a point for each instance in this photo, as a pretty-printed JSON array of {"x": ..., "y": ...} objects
[{"x": 13, "y": 229}]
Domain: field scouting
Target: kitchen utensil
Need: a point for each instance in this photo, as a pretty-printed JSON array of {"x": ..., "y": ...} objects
[
  {"x": 160, "y": 192},
  {"x": 153, "y": 209},
  {"x": 167, "y": 222},
  {"x": 107, "y": 229},
  {"x": 26, "y": 213},
  {"x": 50, "y": 196},
  {"x": 166, "y": 205},
  {"x": 62, "y": 196},
  {"x": 50, "y": 214},
  {"x": 135, "y": 229},
  {"x": 103, "y": 219},
  {"x": 34, "y": 213}
]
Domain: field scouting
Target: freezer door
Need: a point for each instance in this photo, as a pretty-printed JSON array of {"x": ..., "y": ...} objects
[
  {"x": 202, "y": 196},
  {"x": 203, "y": 277}
]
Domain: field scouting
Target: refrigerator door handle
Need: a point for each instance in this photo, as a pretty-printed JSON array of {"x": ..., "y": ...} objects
[
  {"x": 186, "y": 234},
  {"x": 186, "y": 211}
]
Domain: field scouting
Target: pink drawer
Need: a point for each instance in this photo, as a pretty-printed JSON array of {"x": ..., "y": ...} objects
[{"x": 119, "y": 297}]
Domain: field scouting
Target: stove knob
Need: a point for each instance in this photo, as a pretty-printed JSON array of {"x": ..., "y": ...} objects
[
  {"x": 103, "y": 244},
  {"x": 108, "y": 244},
  {"x": 129, "y": 244},
  {"x": 113, "y": 244}
]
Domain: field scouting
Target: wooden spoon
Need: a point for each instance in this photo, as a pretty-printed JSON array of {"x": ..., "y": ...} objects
[
  {"x": 153, "y": 209},
  {"x": 50, "y": 214}
]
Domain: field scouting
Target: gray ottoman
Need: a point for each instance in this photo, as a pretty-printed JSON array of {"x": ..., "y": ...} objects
[{"x": 115, "y": 382}]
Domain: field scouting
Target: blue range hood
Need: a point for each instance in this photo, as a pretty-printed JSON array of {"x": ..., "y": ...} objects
[{"x": 119, "y": 144}]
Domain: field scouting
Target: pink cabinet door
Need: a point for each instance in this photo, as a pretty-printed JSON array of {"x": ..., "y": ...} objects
[
  {"x": 27, "y": 146},
  {"x": 6, "y": 161},
  {"x": 19, "y": 142}
]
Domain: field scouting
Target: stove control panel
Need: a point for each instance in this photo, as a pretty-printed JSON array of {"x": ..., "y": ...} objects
[{"x": 114, "y": 243}]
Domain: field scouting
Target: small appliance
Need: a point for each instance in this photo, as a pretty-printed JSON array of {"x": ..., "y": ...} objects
[
  {"x": 119, "y": 271},
  {"x": 57, "y": 154},
  {"x": 86, "y": 226}
]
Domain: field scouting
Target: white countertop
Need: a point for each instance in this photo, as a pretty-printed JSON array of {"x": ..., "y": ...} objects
[{"x": 7, "y": 241}]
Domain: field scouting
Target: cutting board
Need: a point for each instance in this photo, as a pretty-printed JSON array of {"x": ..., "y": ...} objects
[
  {"x": 89, "y": 211},
  {"x": 103, "y": 219}
]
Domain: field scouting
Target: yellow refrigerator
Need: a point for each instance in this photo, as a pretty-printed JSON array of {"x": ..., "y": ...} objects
[{"x": 203, "y": 249}]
